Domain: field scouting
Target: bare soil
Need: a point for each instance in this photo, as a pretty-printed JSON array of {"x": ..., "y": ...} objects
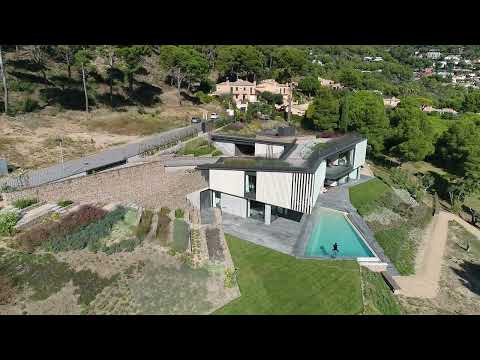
[
  {"x": 28, "y": 140},
  {"x": 459, "y": 286}
]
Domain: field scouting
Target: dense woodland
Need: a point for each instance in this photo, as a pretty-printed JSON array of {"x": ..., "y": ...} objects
[{"x": 88, "y": 77}]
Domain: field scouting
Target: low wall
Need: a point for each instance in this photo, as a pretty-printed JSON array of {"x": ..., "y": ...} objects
[{"x": 146, "y": 184}]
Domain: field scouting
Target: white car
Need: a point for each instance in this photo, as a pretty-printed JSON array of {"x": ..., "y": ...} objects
[{"x": 213, "y": 116}]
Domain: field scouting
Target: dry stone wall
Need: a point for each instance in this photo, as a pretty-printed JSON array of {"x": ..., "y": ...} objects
[{"x": 147, "y": 185}]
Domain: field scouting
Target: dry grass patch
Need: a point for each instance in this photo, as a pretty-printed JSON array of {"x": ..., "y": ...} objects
[{"x": 134, "y": 124}]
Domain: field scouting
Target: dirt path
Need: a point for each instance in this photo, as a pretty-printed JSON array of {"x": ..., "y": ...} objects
[{"x": 424, "y": 284}]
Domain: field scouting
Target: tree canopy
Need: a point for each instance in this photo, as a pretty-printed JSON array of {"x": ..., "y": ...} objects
[
  {"x": 324, "y": 110},
  {"x": 366, "y": 115}
]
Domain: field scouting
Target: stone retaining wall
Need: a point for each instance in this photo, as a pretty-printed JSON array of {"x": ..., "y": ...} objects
[{"x": 147, "y": 185}]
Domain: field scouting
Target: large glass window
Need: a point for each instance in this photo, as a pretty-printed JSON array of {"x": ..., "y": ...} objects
[{"x": 250, "y": 184}]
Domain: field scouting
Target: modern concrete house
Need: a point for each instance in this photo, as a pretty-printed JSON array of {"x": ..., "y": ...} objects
[{"x": 269, "y": 177}]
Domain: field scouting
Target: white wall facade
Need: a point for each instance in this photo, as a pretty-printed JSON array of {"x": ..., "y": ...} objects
[
  {"x": 227, "y": 181},
  {"x": 225, "y": 147},
  {"x": 274, "y": 188},
  {"x": 233, "y": 205},
  {"x": 319, "y": 180},
  {"x": 268, "y": 150},
  {"x": 360, "y": 153},
  {"x": 354, "y": 174}
]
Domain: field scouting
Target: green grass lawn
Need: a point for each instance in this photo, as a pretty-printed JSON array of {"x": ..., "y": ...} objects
[
  {"x": 363, "y": 196},
  {"x": 275, "y": 283},
  {"x": 378, "y": 298}
]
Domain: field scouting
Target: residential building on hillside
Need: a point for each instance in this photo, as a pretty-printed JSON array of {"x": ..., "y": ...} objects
[
  {"x": 269, "y": 177},
  {"x": 433, "y": 54},
  {"x": 245, "y": 92},
  {"x": 391, "y": 102},
  {"x": 242, "y": 91},
  {"x": 330, "y": 83},
  {"x": 429, "y": 109},
  {"x": 274, "y": 87}
]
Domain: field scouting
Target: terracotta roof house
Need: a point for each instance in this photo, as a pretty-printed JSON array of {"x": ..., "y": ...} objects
[
  {"x": 274, "y": 87},
  {"x": 242, "y": 91}
]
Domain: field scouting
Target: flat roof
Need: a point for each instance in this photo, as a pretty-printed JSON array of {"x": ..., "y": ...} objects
[
  {"x": 320, "y": 152},
  {"x": 251, "y": 140}
]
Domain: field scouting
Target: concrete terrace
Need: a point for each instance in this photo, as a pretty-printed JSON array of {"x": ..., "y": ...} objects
[{"x": 281, "y": 235}]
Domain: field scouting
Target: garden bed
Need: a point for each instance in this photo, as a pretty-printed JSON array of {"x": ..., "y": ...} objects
[
  {"x": 181, "y": 235},
  {"x": 37, "y": 235},
  {"x": 163, "y": 229},
  {"x": 214, "y": 244}
]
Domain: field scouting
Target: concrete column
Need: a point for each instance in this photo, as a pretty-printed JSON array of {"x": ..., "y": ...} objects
[{"x": 268, "y": 214}]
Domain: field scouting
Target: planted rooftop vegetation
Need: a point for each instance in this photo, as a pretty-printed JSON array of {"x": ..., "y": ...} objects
[{"x": 199, "y": 147}]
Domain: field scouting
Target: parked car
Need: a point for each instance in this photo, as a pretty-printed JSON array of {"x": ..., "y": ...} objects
[
  {"x": 214, "y": 116},
  {"x": 196, "y": 120}
]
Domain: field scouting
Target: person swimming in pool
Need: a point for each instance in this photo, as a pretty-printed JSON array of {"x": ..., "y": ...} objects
[{"x": 335, "y": 250}]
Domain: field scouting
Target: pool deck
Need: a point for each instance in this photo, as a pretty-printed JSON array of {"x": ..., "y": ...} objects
[
  {"x": 291, "y": 237},
  {"x": 338, "y": 198},
  {"x": 281, "y": 235}
]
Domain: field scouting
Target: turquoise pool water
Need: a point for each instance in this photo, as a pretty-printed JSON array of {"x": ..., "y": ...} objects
[{"x": 331, "y": 227}]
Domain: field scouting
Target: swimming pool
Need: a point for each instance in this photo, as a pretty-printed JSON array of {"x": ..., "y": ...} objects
[{"x": 333, "y": 226}]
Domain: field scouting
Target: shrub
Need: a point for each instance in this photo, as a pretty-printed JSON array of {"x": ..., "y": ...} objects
[
  {"x": 8, "y": 220},
  {"x": 217, "y": 153},
  {"x": 55, "y": 216},
  {"x": 165, "y": 211},
  {"x": 88, "y": 236},
  {"x": 24, "y": 203},
  {"x": 221, "y": 122},
  {"x": 8, "y": 188},
  {"x": 124, "y": 245},
  {"x": 203, "y": 98},
  {"x": 230, "y": 278},
  {"x": 40, "y": 233},
  {"x": 179, "y": 213},
  {"x": 29, "y": 105},
  {"x": 64, "y": 203}
]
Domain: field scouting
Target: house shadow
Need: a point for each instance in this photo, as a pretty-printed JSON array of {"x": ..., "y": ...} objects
[{"x": 469, "y": 274}]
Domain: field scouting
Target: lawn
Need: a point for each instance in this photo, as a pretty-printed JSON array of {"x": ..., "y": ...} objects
[
  {"x": 363, "y": 196},
  {"x": 378, "y": 298},
  {"x": 275, "y": 283}
]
